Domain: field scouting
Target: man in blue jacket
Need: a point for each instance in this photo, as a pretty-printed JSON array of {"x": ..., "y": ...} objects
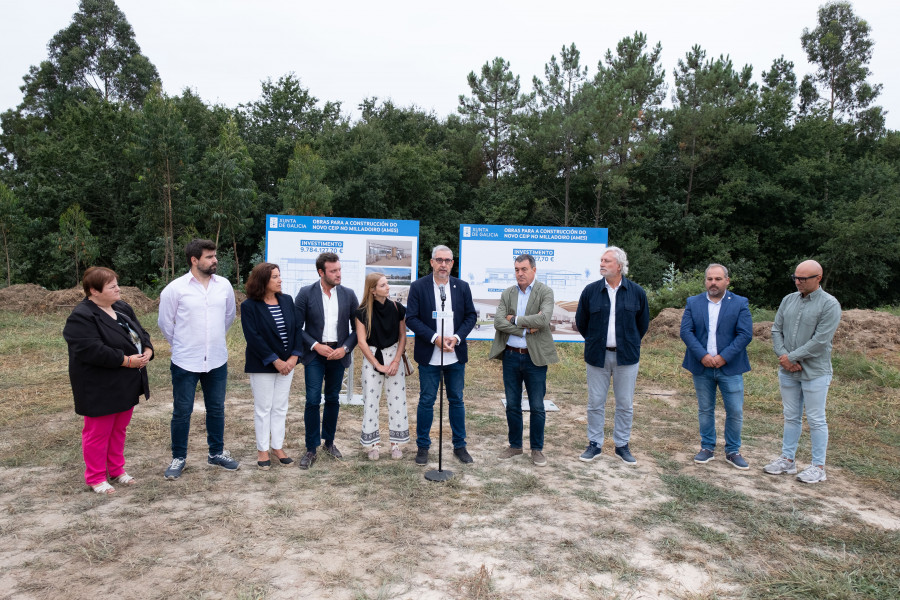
[
  {"x": 716, "y": 328},
  {"x": 441, "y": 353},
  {"x": 325, "y": 311},
  {"x": 613, "y": 317}
]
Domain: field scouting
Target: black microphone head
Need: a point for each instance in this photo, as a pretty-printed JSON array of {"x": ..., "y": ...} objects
[{"x": 443, "y": 293}]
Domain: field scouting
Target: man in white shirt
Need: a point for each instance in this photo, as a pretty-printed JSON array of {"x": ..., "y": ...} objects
[{"x": 195, "y": 312}]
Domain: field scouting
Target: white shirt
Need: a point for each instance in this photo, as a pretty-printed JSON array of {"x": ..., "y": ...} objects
[
  {"x": 611, "y": 330},
  {"x": 713, "y": 308},
  {"x": 194, "y": 320},
  {"x": 449, "y": 357},
  {"x": 514, "y": 340},
  {"x": 330, "y": 306}
]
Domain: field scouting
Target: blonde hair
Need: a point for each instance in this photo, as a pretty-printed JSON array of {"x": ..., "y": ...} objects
[{"x": 368, "y": 298}]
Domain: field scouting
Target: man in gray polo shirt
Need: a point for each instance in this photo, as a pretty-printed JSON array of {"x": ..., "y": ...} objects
[{"x": 801, "y": 337}]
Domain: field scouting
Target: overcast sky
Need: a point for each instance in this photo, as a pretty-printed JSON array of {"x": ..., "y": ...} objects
[{"x": 420, "y": 53}]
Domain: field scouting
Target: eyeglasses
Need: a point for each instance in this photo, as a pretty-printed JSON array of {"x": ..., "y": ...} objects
[
  {"x": 442, "y": 261},
  {"x": 803, "y": 279}
]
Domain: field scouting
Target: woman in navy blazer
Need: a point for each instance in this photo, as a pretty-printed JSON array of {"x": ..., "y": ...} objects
[{"x": 274, "y": 343}]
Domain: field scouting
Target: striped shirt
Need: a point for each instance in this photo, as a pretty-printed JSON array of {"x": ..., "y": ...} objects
[{"x": 275, "y": 311}]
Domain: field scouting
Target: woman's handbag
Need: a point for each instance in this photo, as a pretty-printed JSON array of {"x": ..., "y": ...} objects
[{"x": 405, "y": 366}]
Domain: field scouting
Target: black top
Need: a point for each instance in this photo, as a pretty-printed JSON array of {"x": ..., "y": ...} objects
[{"x": 385, "y": 323}]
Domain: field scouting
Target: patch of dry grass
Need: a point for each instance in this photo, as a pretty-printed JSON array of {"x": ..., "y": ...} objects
[{"x": 499, "y": 530}]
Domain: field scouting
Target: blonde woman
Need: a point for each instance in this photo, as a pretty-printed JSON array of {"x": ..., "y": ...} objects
[{"x": 381, "y": 322}]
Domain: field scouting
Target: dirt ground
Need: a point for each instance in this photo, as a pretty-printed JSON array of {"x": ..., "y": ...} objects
[{"x": 357, "y": 529}]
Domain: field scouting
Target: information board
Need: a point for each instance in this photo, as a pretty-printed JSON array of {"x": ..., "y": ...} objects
[
  {"x": 567, "y": 259},
  {"x": 363, "y": 245}
]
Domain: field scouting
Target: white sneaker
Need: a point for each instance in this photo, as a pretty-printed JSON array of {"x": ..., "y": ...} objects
[
  {"x": 812, "y": 474},
  {"x": 782, "y": 465}
]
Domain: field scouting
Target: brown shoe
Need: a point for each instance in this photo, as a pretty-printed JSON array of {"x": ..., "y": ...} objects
[
  {"x": 509, "y": 452},
  {"x": 537, "y": 457}
]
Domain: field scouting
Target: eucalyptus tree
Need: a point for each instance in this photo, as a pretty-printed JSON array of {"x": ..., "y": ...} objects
[
  {"x": 227, "y": 201},
  {"x": 494, "y": 109},
  {"x": 11, "y": 217},
  {"x": 841, "y": 47}
]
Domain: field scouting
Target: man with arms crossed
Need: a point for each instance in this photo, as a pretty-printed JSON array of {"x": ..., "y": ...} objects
[
  {"x": 801, "y": 337},
  {"x": 425, "y": 296},
  {"x": 522, "y": 340},
  {"x": 613, "y": 317},
  {"x": 716, "y": 328},
  {"x": 326, "y": 310},
  {"x": 195, "y": 312}
]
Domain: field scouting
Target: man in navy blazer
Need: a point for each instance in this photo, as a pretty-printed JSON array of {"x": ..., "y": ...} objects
[
  {"x": 716, "y": 328},
  {"x": 439, "y": 354},
  {"x": 325, "y": 309}
]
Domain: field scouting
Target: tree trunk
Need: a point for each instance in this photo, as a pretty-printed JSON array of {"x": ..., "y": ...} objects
[{"x": 6, "y": 252}]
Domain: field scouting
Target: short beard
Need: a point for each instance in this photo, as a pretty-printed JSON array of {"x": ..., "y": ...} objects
[{"x": 208, "y": 271}]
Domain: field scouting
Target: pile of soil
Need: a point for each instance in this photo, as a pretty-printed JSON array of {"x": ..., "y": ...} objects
[
  {"x": 22, "y": 296},
  {"x": 860, "y": 330},
  {"x": 63, "y": 301}
]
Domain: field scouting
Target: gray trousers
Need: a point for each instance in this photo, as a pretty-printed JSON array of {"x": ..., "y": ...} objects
[{"x": 623, "y": 380}]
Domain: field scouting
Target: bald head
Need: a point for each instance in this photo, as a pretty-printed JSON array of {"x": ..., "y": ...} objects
[{"x": 807, "y": 276}]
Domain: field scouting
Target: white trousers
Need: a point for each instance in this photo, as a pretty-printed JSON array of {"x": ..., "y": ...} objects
[
  {"x": 395, "y": 390},
  {"x": 271, "y": 392}
]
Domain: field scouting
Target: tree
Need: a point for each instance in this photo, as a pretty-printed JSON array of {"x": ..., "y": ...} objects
[
  {"x": 625, "y": 101},
  {"x": 841, "y": 48},
  {"x": 231, "y": 194},
  {"x": 163, "y": 150},
  {"x": 303, "y": 191},
  {"x": 10, "y": 218},
  {"x": 494, "y": 109},
  {"x": 75, "y": 239},
  {"x": 97, "y": 53},
  {"x": 562, "y": 124}
]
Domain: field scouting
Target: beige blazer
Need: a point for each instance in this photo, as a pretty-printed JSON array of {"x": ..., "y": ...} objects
[{"x": 541, "y": 347}]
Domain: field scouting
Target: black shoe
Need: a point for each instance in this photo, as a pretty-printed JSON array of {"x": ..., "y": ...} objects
[
  {"x": 625, "y": 454},
  {"x": 422, "y": 456},
  {"x": 463, "y": 455},
  {"x": 332, "y": 450},
  {"x": 287, "y": 460},
  {"x": 263, "y": 465},
  {"x": 308, "y": 460}
]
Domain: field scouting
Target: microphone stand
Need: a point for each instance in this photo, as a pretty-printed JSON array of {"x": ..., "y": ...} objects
[{"x": 440, "y": 474}]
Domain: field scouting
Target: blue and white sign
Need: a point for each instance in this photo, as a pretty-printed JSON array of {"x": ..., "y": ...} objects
[
  {"x": 363, "y": 245},
  {"x": 566, "y": 258}
]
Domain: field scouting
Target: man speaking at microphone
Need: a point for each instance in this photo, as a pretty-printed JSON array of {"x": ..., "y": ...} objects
[{"x": 438, "y": 354}]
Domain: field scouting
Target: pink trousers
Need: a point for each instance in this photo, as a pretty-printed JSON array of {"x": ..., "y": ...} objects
[{"x": 103, "y": 445}]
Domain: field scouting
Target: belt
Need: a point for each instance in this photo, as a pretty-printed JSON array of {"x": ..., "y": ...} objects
[
  {"x": 608, "y": 349},
  {"x": 331, "y": 344},
  {"x": 517, "y": 350}
]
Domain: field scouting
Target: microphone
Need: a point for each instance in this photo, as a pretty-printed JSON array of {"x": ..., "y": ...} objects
[{"x": 443, "y": 293}]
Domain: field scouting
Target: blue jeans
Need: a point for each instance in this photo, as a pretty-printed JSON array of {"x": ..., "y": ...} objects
[
  {"x": 454, "y": 381},
  {"x": 732, "y": 388},
  {"x": 795, "y": 395},
  {"x": 184, "y": 388},
  {"x": 332, "y": 372},
  {"x": 624, "y": 378},
  {"x": 519, "y": 369}
]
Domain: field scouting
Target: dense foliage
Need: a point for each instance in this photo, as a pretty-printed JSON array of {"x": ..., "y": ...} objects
[{"x": 99, "y": 165}]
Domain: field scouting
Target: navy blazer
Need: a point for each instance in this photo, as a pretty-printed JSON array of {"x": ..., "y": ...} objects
[
  {"x": 734, "y": 330},
  {"x": 419, "y": 308},
  {"x": 264, "y": 345},
  {"x": 311, "y": 314},
  {"x": 632, "y": 321}
]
